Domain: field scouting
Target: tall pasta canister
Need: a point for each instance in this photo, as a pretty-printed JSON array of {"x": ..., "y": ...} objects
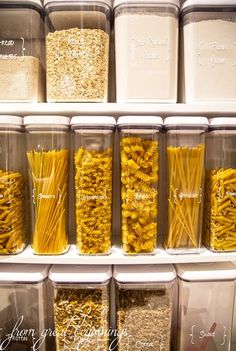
[
  {"x": 185, "y": 164},
  {"x": 93, "y": 165},
  {"x": 220, "y": 186},
  {"x": 48, "y": 169},
  {"x": 77, "y": 50},
  {"x": 12, "y": 185},
  {"x": 139, "y": 164}
]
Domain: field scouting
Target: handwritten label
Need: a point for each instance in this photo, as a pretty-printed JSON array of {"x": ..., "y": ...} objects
[
  {"x": 214, "y": 53},
  {"x": 196, "y": 335},
  {"x": 182, "y": 195},
  {"x": 149, "y": 50},
  {"x": 10, "y": 50},
  {"x": 42, "y": 196}
]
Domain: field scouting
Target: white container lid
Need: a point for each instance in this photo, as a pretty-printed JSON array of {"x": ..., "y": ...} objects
[
  {"x": 146, "y": 2},
  {"x": 23, "y": 273},
  {"x": 140, "y": 121},
  {"x": 213, "y": 3},
  {"x": 107, "y": 2},
  {"x": 89, "y": 121},
  {"x": 163, "y": 273},
  {"x": 8, "y": 119},
  {"x": 206, "y": 271},
  {"x": 80, "y": 273},
  {"x": 222, "y": 122},
  {"x": 35, "y": 2},
  {"x": 188, "y": 121},
  {"x": 37, "y": 120}
]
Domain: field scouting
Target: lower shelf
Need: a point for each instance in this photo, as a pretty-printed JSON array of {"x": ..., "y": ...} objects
[{"x": 116, "y": 257}]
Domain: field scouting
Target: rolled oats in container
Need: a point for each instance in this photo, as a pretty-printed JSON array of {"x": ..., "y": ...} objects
[{"x": 77, "y": 50}]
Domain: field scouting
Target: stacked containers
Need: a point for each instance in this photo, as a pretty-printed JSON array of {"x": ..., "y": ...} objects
[
  {"x": 144, "y": 297},
  {"x": 77, "y": 50},
  {"x": 206, "y": 298},
  {"x": 48, "y": 168},
  {"x": 185, "y": 164},
  {"x": 208, "y": 61},
  {"x": 12, "y": 185},
  {"x": 220, "y": 186},
  {"x": 22, "y": 74},
  {"x": 81, "y": 307},
  {"x": 22, "y": 286},
  {"x": 139, "y": 163},
  {"x": 146, "y": 45},
  {"x": 93, "y": 165}
]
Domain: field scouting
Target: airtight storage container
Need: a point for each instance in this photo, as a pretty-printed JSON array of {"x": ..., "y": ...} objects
[
  {"x": 12, "y": 185},
  {"x": 206, "y": 300},
  {"x": 208, "y": 61},
  {"x": 185, "y": 182},
  {"x": 220, "y": 186},
  {"x": 22, "y": 73},
  {"x": 81, "y": 306},
  {"x": 23, "y": 311},
  {"x": 146, "y": 50},
  {"x": 47, "y": 150},
  {"x": 93, "y": 165},
  {"x": 77, "y": 50},
  {"x": 139, "y": 167},
  {"x": 144, "y": 306}
]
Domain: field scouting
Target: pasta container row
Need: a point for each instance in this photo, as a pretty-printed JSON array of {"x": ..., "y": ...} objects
[
  {"x": 192, "y": 162},
  {"x": 71, "y": 51},
  {"x": 142, "y": 308}
]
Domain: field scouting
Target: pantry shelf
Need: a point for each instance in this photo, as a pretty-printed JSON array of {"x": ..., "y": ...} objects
[
  {"x": 116, "y": 257},
  {"x": 116, "y": 109}
]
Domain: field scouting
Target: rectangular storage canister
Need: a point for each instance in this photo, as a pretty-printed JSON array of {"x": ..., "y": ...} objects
[
  {"x": 146, "y": 50},
  {"x": 206, "y": 300},
  {"x": 220, "y": 186},
  {"x": 144, "y": 306},
  {"x": 208, "y": 54},
  {"x": 81, "y": 307},
  {"x": 139, "y": 167},
  {"x": 23, "y": 309},
  {"x": 77, "y": 50},
  {"x": 185, "y": 182},
  {"x": 22, "y": 73},
  {"x": 12, "y": 185},
  {"x": 93, "y": 165},
  {"x": 47, "y": 145}
]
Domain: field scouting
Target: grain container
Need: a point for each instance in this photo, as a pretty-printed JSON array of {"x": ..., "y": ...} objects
[
  {"x": 47, "y": 145},
  {"x": 220, "y": 186},
  {"x": 146, "y": 50},
  {"x": 12, "y": 185},
  {"x": 144, "y": 306},
  {"x": 139, "y": 167},
  {"x": 93, "y": 165},
  {"x": 77, "y": 50},
  {"x": 23, "y": 311},
  {"x": 206, "y": 300},
  {"x": 22, "y": 73},
  {"x": 208, "y": 61},
  {"x": 81, "y": 306},
  {"x": 185, "y": 176}
]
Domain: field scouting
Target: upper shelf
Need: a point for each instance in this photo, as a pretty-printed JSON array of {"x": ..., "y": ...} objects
[{"x": 116, "y": 109}]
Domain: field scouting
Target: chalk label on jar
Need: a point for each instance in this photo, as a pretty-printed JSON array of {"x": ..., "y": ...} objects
[
  {"x": 42, "y": 196},
  {"x": 10, "y": 51},
  {"x": 149, "y": 50},
  {"x": 182, "y": 195},
  {"x": 213, "y": 53},
  {"x": 199, "y": 336}
]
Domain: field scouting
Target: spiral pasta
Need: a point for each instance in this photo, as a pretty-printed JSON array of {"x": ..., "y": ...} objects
[{"x": 139, "y": 191}]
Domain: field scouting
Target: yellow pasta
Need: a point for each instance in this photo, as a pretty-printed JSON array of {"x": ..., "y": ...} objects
[
  {"x": 220, "y": 209},
  {"x": 93, "y": 192},
  {"x": 49, "y": 173},
  {"x": 139, "y": 179},
  {"x": 185, "y": 166},
  {"x": 12, "y": 238}
]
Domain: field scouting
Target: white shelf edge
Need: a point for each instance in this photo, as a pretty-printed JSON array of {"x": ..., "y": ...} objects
[{"x": 116, "y": 257}]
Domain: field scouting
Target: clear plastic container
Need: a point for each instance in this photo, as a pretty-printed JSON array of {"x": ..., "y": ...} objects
[
  {"x": 47, "y": 141},
  {"x": 93, "y": 165},
  {"x": 146, "y": 50},
  {"x": 81, "y": 306},
  {"x": 23, "y": 310},
  {"x": 186, "y": 168},
  {"x": 206, "y": 300},
  {"x": 208, "y": 61},
  {"x": 22, "y": 73},
  {"x": 12, "y": 185},
  {"x": 220, "y": 186},
  {"x": 144, "y": 306},
  {"x": 139, "y": 164},
  {"x": 77, "y": 50}
]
